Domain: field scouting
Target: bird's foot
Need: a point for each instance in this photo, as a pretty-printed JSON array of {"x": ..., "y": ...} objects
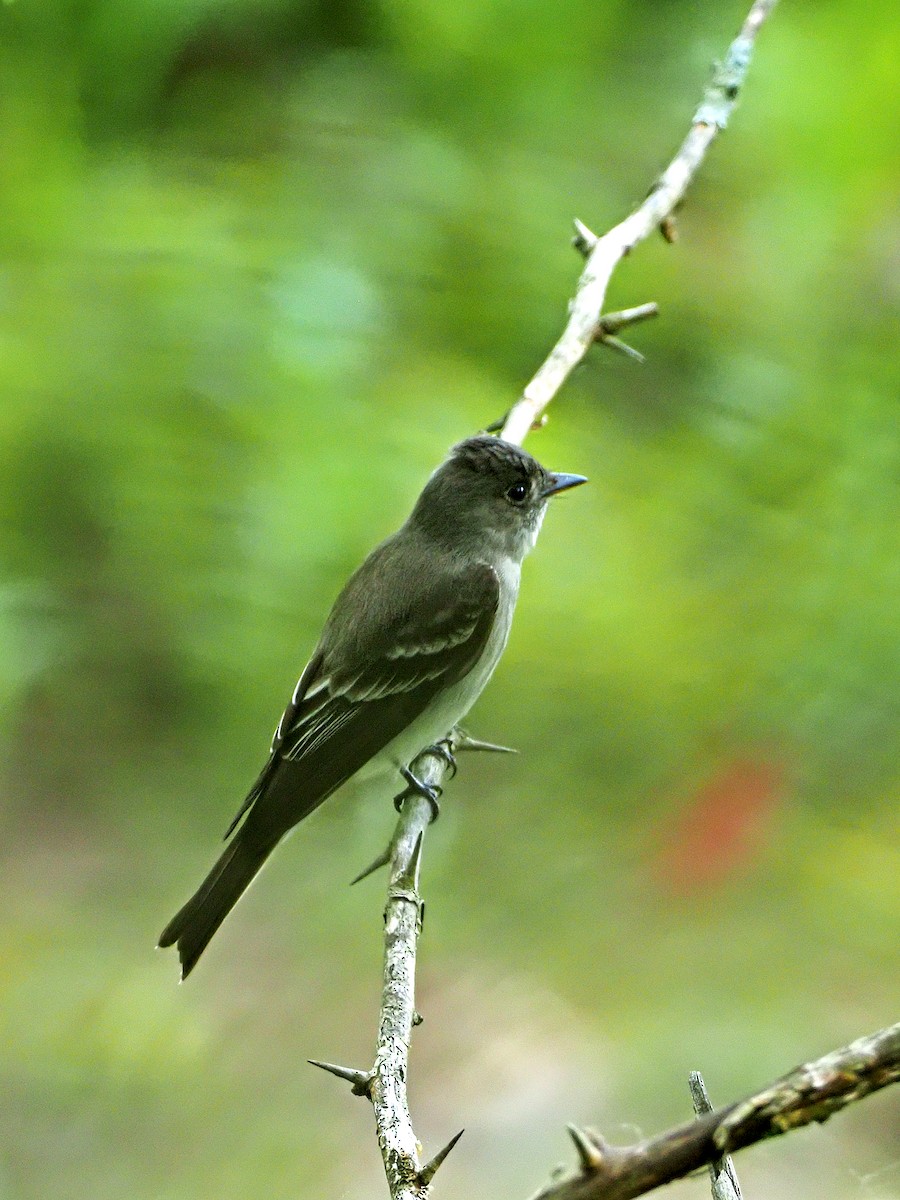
[
  {"x": 443, "y": 749},
  {"x": 415, "y": 787}
]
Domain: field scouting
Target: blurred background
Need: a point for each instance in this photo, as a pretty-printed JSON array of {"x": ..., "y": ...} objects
[{"x": 261, "y": 263}]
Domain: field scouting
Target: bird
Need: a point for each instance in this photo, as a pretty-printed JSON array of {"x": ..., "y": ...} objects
[{"x": 406, "y": 650}]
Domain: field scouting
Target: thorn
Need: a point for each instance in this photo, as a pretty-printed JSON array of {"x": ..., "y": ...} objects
[
  {"x": 428, "y": 1172},
  {"x": 668, "y": 227},
  {"x": 699, "y": 1095},
  {"x": 410, "y": 876},
  {"x": 360, "y": 1081},
  {"x": 539, "y": 423},
  {"x": 590, "y": 1154},
  {"x": 617, "y": 344},
  {"x": 417, "y": 1019},
  {"x": 584, "y": 240},
  {"x": 614, "y": 321},
  {"x": 611, "y": 323},
  {"x": 725, "y": 1185},
  {"x": 469, "y": 743},
  {"x": 496, "y": 426},
  {"x": 381, "y": 861}
]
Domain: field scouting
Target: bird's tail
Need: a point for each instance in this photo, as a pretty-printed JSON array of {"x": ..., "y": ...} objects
[{"x": 194, "y": 924}]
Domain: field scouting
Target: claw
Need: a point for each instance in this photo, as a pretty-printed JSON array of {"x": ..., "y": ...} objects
[
  {"x": 415, "y": 787},
  {"x": 443, "y": 749}
]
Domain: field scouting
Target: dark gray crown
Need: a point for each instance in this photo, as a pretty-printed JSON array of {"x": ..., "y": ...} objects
[{"x": 486, "y": 454}]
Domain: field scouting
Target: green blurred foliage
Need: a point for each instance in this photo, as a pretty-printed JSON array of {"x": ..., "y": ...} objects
[{"x": 260, "y": 264}]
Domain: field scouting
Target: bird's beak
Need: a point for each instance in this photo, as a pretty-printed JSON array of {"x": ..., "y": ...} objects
[{"x": 561, "y": 483}]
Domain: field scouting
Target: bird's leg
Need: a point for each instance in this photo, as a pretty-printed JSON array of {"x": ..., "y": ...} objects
[{"x": 415, "y": 787}]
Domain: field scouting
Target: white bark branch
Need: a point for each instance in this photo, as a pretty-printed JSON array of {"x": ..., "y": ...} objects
[
  {"x": 605, "y": 253},
  {"x": 406, "y": 1176},
  {"x": 385, "y": 1084}
]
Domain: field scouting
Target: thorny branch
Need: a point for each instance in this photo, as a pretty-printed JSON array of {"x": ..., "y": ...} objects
[
  {"x": 403, "y": 913},
  {"x": 586, "y": 323},
  {"x": 385, "y": 1084},
  {"x": 811, "y": 1093}
]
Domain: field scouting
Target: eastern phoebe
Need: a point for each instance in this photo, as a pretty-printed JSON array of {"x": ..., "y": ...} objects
[{"x": 406, "y": 650}]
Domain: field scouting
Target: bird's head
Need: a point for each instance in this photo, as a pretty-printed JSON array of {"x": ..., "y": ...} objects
[{"x": 490, "y": 490}]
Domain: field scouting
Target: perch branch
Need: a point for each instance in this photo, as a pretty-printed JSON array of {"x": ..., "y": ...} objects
[
  {"x": 812, "y": 1092},
  {"x": 402, "y": 925},
  {"x": 585, "y": 323},
  {"x": 385, "y": 1085}
]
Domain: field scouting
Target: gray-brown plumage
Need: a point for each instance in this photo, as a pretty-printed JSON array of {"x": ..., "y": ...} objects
[{"x": 406, "y": 650}]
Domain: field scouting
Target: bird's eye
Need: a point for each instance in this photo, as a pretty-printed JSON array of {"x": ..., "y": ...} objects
[{"x": 517, "y": 493}]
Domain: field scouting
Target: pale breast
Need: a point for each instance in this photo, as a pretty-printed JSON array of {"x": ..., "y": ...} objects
[{"x": 451, "y": 705}]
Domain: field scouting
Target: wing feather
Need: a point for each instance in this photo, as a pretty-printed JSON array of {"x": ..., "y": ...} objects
[{"x": 368, "y": 688}]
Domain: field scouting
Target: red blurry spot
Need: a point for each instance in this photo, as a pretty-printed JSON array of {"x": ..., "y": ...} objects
[{"x": 723, "y": 828}]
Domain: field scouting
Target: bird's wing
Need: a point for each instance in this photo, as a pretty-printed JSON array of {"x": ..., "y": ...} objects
[
  {"x": 309, "y": 673},
  {"x": 370, "y": 691}
]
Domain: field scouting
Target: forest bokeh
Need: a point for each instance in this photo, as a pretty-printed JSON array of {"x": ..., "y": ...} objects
[{"x": 261, "y": 263}]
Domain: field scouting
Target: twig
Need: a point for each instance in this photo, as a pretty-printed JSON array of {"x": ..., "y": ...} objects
[
  {"x": 402, "y": 926},
  {"x": 722, "y": 1175},
  {"x": 385, "y": 1084},
  {"x": 812, "y": 1092},
  {"x": 605, "y": 253}
]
